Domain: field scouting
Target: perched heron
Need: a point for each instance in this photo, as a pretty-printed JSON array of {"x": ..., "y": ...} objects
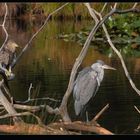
[
  {"x": 87, "y": 84},
  {"x": 7, "y": 56}
]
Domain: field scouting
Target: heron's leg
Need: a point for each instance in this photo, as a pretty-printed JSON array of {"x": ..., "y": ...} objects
[{"x": 87, "y": 120}]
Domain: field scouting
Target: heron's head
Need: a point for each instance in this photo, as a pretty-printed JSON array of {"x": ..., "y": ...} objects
[
  {"x": 11, "y": 46},
  {"x": 101, "y": 65}
]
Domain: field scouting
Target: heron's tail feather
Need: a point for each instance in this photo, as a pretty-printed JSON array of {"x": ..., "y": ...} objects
[{"x": 78, "y": 107}]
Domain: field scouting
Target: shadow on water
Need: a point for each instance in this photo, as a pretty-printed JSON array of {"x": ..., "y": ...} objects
[{"x": 49, "y": 61}]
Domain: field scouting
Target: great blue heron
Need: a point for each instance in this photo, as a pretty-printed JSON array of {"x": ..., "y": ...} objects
[
  {"x": 87, "y": 84},
  {"x": 7, "y": 56}
]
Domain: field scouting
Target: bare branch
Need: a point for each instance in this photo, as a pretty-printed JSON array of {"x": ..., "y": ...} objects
[
  {"x": 21, "y": 114},
  {"x": 132, "y": 10},
  {"x": 134, "y": 6},
  {"x": 103, "y": 7},
  {"x": 115, "y": 6},
  {"x": 81, "y": 126},
  {"x": 29, "y": 91},
  {"x": 137, "y": 109},
  {"x": 37, "y": 108},
  {"x": 122, "y": 61},
  {"x": 91, "y": 12},
  {"x": 3, "y": 26},
  {"x": 36, "y": 99},
  {"x": 28, "y": 107},
  {"x": 1, "y": 112},
  {"x": 8, "y": 107},
  {"x": 34, "y": 35},
  {"x": 100, "y": 113}
]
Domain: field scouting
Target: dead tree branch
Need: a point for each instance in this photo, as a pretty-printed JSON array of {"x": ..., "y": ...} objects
[
  {"x": 22, "y": 114},
  {"x": 9, "y": 108},
  {"x": 135, "y": 5},
  {"x": 81, "y": 126},
  {"x": 32, "y": 129},
  {"x": 103, "y": 8},
  {"x": 100, "y": 113},
  {"x": 35, "y": 99},
  {"x": 137, "y": 109},
  {"x": 3, "y": 26}
]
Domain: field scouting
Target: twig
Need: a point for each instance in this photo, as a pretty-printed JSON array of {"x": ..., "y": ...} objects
[
  {"x": 29, "y": 91},
  {"x": 135, "y": 5},
  {"x": 21, "y": 114},
  {"x": 1, "y": 112},
  {"x": 100, "y": 113},
  {"x": 115, "y": 5},
  {"x": 137, "y": 109},
  {"x": 29, "y": 100},
  {"x": 91, "y": 12},
  {"x": 28, "y": 107},
  {"x": 6, "y": 91},
  {"x": 121, "y": 59},
  {"x": 103, "y": 7}
]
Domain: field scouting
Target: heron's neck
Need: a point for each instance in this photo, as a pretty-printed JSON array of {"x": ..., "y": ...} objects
[{"x": 100, "y": 74}]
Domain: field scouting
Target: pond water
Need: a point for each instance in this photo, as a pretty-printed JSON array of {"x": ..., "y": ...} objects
[{"x": 47, "y": 65}]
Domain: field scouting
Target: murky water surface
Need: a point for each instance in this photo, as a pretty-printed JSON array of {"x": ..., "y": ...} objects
[{"x": 47, "y": 65}]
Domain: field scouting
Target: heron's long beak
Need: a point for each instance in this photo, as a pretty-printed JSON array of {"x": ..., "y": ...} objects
[{"x": 108, "y": 67}]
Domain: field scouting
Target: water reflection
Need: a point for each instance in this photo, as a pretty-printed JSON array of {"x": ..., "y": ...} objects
[{"x": 49, "y": 61}]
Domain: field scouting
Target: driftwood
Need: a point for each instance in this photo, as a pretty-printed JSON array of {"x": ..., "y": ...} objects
[{"x": 8, "y": 106}]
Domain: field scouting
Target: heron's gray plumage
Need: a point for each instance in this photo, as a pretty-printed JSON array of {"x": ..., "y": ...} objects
[
  {"x": 87, "y": 84},
  {"x": 84, "y": 89}
]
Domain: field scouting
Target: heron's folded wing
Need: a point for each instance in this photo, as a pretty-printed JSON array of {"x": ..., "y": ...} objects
[
  {"x": 78, "y": 79},
  {"x": 86, "y": 87}
]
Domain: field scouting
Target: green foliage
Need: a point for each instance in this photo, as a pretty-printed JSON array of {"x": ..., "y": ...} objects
[{"x": 124, "y": 31}]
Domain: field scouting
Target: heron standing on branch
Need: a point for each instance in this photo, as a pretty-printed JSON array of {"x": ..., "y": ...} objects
[
  {"x": 7, "y": 57},
  {"x": 87, "y": 84}
]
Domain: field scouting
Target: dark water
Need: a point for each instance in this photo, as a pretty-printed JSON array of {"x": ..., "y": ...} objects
[{"x": 47, "y": 65}]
